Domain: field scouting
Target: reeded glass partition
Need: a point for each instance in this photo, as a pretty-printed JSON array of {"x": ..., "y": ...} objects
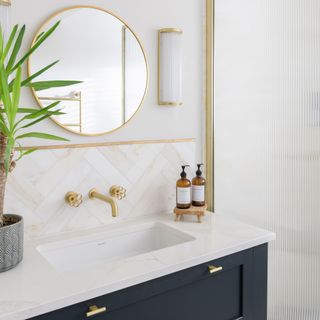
[{"x": 267, "y": 138}]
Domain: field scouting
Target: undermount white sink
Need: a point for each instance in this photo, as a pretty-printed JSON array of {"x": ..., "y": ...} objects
[{"x": 102, "y": 247}]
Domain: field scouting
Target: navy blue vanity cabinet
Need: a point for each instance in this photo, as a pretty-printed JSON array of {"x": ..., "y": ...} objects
[{"x": 236, "y": 289}]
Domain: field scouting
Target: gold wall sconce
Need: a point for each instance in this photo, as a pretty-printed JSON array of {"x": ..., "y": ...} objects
[
  {"x": 170, "y": 67},
  {"x": 5, "y": 2}
]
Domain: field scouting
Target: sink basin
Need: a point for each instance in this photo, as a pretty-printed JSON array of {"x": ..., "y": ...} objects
[{"x": 108, "y": 246}]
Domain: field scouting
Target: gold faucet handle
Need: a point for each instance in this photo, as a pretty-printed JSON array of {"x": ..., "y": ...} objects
[
  {"x": 118, "y": 192},
  {"x": 73, "y": 199}
]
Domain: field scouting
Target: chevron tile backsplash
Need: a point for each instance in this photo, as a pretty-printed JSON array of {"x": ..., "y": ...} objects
[{"x": 37, "y": 187}]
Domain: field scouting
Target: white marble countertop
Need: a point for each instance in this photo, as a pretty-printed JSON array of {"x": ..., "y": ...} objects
[{"x": 35, "y": 287}]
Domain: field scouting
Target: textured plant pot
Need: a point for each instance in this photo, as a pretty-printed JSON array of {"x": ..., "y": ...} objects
[{"x": 11, "y": 242}]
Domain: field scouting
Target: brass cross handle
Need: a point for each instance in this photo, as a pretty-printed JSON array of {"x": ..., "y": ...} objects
[
  {"x": 118, "y": 192},
  {"x": 73, "y": 199}
]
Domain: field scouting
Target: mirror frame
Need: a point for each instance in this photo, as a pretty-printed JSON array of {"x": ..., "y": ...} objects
[
  {"x": 209, "y": 102},
  {"x": 46, "y": 22}
]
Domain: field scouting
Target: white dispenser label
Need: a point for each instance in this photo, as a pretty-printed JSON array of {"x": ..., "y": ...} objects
[
  {"x": 198, "y": 193},
  {"x": 184, "y": 195}
]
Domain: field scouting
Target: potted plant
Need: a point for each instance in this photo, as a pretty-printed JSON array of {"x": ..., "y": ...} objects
[{"x": 15, "y": 124}]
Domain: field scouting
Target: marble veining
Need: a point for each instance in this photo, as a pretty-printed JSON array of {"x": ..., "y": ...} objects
[
  {"x": 37, "y": 187},
  {"x": 35, "y": 287}
]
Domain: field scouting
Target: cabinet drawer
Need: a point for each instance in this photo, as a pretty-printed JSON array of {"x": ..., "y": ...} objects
[
  {"x": 191, "y": 294},
  {"x": 216, "y": 297}
]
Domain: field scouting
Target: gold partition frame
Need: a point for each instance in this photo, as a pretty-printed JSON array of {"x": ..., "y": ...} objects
[
  {"x": 209, "y": 82},
  {"x": 47, "y": 21},
  {"x": 160, "y": 102}
]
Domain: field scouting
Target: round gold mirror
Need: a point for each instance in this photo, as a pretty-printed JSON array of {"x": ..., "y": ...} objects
[{"x": 99, "y": 49}]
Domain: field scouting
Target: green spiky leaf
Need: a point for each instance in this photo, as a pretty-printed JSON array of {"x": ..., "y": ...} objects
[
  {"x": 40, "y": 135},
  {"x": 16, "y": 49},
  {"x": 36, "y": 45},
  {"x": 43, "y": 85}
]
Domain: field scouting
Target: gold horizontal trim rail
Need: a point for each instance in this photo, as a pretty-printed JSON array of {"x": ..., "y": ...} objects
[
  {"x": 72, "y": 124},
  {"x": 59, "y": 99},
  {"x": 209, "y": 120},
  {"x": 106, "y": 144}
]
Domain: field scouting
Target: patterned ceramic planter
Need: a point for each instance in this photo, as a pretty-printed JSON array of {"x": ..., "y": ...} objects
[{"x": 11, "y": 242}]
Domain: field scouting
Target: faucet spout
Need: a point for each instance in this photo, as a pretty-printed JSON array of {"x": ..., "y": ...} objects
[{"x": 94, "y": 194}]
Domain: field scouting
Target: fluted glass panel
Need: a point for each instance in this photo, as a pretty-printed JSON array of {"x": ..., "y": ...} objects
[{"x": 267, "y": 138}]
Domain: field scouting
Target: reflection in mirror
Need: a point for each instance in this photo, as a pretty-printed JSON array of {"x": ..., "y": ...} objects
[{"x": 99, "y": 49}]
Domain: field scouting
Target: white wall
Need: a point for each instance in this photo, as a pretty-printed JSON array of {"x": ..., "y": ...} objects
[{"x": 145, "y": 17}]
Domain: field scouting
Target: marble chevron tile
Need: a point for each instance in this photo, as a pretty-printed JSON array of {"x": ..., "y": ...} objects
[{"x": 37, "y": 187}]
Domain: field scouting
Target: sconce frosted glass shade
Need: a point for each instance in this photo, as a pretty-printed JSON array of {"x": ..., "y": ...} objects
[{"x": 170, "y": 67}]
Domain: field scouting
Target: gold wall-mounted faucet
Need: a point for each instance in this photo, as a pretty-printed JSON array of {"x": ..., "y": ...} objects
[{"x": 115, "y": 192}]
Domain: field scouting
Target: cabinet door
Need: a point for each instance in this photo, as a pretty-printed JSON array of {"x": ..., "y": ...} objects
[
  {"x": 215, "y": 298},
  {"x": 236, "y": 292}
]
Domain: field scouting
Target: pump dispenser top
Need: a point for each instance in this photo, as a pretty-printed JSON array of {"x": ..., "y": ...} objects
[
  {"x": 183, "y": 174},
  {"x": 199, "y": 172}
]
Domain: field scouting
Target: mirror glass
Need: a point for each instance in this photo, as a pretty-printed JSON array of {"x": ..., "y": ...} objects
[{"x": 99, "y": 49}]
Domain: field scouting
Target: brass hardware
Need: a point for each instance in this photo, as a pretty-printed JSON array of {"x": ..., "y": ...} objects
[
  {"x": 209, "y": 153},
  {"x": 170, "y": 30},
  {"x": 94, "y": 194},
  {"x": 77, "y": 98},
  {"x": 59, "y": 99},
  {"x": 71, "y": 125},
  {"x": 105, "y": 144},
  {"x": 94, "y": 310},
  {"x": 5, "y": 2},
  {"x": 73, "y": 199},
  {"x": 214, "y": 269},
  {"x": 118, "y": 192}
]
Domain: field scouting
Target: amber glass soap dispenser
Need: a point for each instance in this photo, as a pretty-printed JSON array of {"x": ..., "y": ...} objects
[
  {"x": 183, "y": 190},
  {"x": 198, "y": 189}
]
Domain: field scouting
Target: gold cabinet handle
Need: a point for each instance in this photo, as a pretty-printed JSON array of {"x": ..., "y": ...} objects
[
  {"x": 94, "y": 310},
  {"x": 214, "y": 269}
]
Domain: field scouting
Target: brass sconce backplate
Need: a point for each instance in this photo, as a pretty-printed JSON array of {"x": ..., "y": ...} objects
[{"x": 5, "y": 2}]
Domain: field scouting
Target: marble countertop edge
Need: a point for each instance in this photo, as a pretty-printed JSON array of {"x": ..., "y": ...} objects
[{"x": 26, "y": 309}]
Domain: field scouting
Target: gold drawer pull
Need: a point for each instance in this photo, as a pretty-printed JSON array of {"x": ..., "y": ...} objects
[
  {"x": 214, "y": 269},
  {"x": 94, "y": 310}
]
